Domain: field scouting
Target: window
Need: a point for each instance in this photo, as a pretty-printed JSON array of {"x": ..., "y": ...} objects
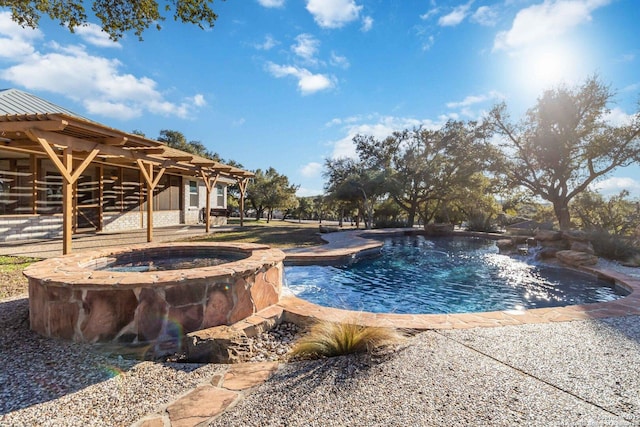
[
  {"x": 16, "y": 186},
  {"x": 219, "y": 196},
  {"x": 193, "y": 194}
]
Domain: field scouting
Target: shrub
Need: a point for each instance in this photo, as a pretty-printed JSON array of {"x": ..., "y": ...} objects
[
  {"x": 329, "y": 339},
  {"x": 614, "y": 247},
  {"x": 390, "y": 223},
  {"x": 479, "y": 221}
]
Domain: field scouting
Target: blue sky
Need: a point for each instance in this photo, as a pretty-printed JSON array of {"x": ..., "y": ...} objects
[{"x": 288, "y": 83}]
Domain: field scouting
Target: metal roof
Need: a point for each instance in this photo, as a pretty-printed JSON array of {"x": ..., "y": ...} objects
[
  {"x": 15, "y": 102},
  {"x": 18, "y": 107}
]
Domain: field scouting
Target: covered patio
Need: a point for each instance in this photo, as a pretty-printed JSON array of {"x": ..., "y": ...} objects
[{"x": 56, "y": 163}]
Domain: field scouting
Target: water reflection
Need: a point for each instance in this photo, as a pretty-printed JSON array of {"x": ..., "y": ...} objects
[{"x": 444, "y": 275}]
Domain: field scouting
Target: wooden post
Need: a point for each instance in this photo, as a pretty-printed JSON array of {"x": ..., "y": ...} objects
[
  {"x": 34, "y": 183},
  {"x": 242, "y": 183},
  {"x": 151, "y": 185},
  {"x": 67, "y": 202},
  {"x": 209, "y": 183},
  {"x": 100, "y": 196},
  {"x": 69, "y": 177}
]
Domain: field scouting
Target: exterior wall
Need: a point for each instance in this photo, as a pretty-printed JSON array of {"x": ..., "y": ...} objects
[
  {"x": 135, "y": 220},
  {"x": 30, "y": 227},
  {"x": 192, "y": 214},
  {"x": 25, "y": 227}
]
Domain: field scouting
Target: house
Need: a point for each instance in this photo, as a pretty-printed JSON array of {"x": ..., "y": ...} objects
[{"x": 61, "y": 174}]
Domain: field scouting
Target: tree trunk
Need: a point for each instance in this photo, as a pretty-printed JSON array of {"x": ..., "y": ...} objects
[
  {"x": 561, "y": 209},
  {"x": 412, "y": 213}
]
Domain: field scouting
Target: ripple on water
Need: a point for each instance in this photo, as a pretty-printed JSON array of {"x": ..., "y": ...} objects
[{"x": 444, "y": 275}]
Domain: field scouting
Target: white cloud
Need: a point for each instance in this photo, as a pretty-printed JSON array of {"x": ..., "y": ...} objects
[
  {"x": 239, "y": 122},
  {"x": 339, "y": 61},
  {"x": 617, "y": 117},
  {"x": 306, "y": 47},
  {"x": 311, "y": 170},
  {"x": 628, "y": 57},
  {"x": 268, "y": 43},
  {"x": 456, "y": 16},
  {"x": 333, "y": 13},
  {"x": 428, "y": 43},
  {"x": 271, "y": 3},
  {"x": 377, "y": 126},
  {"x": 16, "y": 42},
  {"x": 430, "y": 13},
  {"x": 615, "y": 185},
  {"x": 475, "y": 99},
  {"x": 93, "y": 34},
  {"x": 546, "y": 21},
  {"x": 486, "y": 16},
  {"x": 634, "y": 87},
  {"x": 367, "y": 24},
  {"x": 96, "y": 82},
  {"x": 308, "y": 192},
  {"x": 308, "y": 82},
  {"x": 198, "y": 100},
  {"x": 111, "y": 109}
]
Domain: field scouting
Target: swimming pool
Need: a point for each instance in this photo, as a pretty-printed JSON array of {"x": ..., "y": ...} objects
[{"x": 415, "y": 274}]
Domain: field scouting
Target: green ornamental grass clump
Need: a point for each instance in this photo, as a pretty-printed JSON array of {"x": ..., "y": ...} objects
[{"x": 329, "y": 339}]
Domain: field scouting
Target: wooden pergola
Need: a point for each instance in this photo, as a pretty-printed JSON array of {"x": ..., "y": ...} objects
[{"x": 64, "y": 138}]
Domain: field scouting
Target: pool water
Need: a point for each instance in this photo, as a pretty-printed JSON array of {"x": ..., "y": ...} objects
[
  {"x": 445, "y": 275},
  {"x": 143, "y": 264}
]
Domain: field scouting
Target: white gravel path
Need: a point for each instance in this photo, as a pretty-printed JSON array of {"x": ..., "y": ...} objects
[
  {"x": 48, "y": 382},
  {"x": 571, "y": 374}
]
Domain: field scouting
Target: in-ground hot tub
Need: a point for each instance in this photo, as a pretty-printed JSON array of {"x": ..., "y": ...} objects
[{"x": 151, "y": 294}]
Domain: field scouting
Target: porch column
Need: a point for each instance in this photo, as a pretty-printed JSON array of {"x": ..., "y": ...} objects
[
  {"x": 69, "y": 178},
  {"x": 242, "y": 183},
  {"x": 147, "y": 172},
  {"x": 67, "y": 203},
  {"x": 209, "y": 182}
]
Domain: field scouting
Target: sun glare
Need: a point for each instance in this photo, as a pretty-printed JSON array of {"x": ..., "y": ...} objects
[{"x": 547, "y": 66}]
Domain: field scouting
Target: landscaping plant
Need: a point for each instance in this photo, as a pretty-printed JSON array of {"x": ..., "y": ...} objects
[{"x": 329, "y": 339}]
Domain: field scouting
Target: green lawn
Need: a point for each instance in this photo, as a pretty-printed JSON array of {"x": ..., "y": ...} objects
[
  {"x": 12, "y": 282},
  {"x": 278, "y": 234}
]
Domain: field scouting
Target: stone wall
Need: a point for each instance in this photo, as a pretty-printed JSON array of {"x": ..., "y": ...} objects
[
  {"x": 25, "y": 227},
  {"x": 571, "y": 247},
  {"x": 70, "y": 300}
]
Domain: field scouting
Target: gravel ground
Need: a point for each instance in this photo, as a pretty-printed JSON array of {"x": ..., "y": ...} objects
[
  {"x": 561, "y": 374},
  {"x": 571, "y": 374},
  {"x": 47, "y": 382}
]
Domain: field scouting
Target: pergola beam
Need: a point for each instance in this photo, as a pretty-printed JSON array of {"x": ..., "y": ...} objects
[{"x": 45, "y": 125}]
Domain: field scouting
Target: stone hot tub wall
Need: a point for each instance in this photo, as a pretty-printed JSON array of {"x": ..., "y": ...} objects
[{"x": 69, "y": 299}]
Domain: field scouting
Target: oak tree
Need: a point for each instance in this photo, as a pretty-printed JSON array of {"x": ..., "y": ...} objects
[
  {"x": 116, "y": 16},
  {"x": 565, "y": 143}
]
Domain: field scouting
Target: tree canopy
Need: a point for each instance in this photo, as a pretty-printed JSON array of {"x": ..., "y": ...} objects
[
  {"x": 269, "y": 191},
  {"x": 176, "y": 139},
  {"x": 116, "y": 16},
  {"x": 564, "y": 144},
  {"x": 352, "y": 180},
  {"x": 426, "y": 170}
]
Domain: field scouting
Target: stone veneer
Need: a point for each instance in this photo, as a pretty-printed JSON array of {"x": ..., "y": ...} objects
[{"x": 69, "y": 299}]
